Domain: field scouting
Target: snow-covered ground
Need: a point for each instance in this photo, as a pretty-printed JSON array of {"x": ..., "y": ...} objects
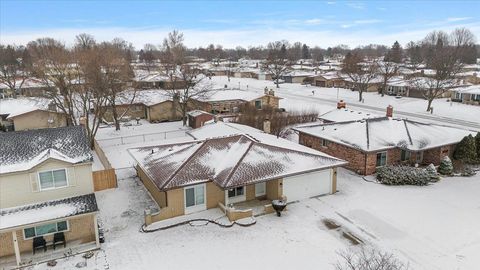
[
  {"x": 431, "y": 227},
  {"x": 300, "y": 97}
]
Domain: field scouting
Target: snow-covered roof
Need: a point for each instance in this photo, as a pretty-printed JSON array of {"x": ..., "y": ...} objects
[
  {"x": 342, "y": 115},
  {"x": 146, "y": 97},
  {"x": 385, "y": 132},
  {"x": 297, "y": 73},
  {"x": 28, "y": 83},
  {"x": 330, "y": 75},
  {"x": 17, "y": 106},
  {"x": 471, "y": 89},
  {"x": 23, "y": 150},
  {"x": 149, "y": 76},
  {"x": 222, "y": 95},
  {"x": 45, "y": 211},
  {"x": 230, "y": 161},
  {"x": 195, "y": 113},
  {"x": 398, "y": 81}
]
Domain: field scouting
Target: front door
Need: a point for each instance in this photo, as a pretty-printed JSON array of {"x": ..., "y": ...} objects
[{"x": 260, "y": 189}]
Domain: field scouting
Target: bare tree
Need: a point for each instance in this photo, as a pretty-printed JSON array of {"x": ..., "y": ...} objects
[
  {"x": 387, "y": 70},
  {"x": 13, "y": 67},
  {"x": 116, "y": 75},
  {"x": 368, "y": 259},
  {"x": 361, "y": 74},
  {"x": 276, "y": 63},
  {"x": 91, "y": 98},
  {"x": 84, "y": 41},
  {"x": 149, "y": 56},
  {"x": 196, "y": 87},
  {"x": 173, "y": 56},
  {"x": 55, "y": 65},
  {"x": 443, "y": 58}
]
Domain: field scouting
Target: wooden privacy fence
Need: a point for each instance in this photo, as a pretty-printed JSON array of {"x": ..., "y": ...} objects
[{"x": 104, "y": 179}]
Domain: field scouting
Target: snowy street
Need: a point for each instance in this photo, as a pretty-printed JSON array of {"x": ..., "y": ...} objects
[{"x": 300, "y": 97}]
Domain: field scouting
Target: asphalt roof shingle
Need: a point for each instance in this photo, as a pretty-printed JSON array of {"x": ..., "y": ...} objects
[{"x": 22, "y": 150}]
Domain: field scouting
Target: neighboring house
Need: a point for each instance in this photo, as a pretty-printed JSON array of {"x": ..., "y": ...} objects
[
  {"x": 25, "y": 113},
  {"x": 373, "y": 85},
  {"x": 46, "y": 187},
  {"x": 372, "y": 143},
  {"x": 472, "y": 77},
  {"x": 298, "y": 77},
  {"x": 31, "y": 87},
  {"x": 468, "y": 94},
  {"x": 198, "y": 118},
  {"x": 398, "y": 87},
  {"x": 229, "y": 101},
  {"x": 329, "y": 79},
  {"x": 151, "y": 80},
  {"x": 153, "y": 105},
  {"x": 214, "y": 171}
]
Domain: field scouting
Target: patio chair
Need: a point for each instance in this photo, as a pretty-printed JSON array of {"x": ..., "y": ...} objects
[
  {"x": 59, "y": 238},
  {"x": 39, "y": 242}
]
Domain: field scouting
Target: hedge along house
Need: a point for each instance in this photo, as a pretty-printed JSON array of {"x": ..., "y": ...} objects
[
  {"x": 46, "y": 189},
  {"x": 371, "y": 143},
  {"x": 218, "y": 171},
  {"x": 26, "y": 113},
  {"x": 153, "y": 105},
  {"x": 229, "y": 101}
]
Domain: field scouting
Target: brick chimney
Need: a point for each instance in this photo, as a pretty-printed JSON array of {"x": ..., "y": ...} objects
[
  {"x": 266, "y": 126},
  {"x": 390, "y": 111},
  {"x": 341, "y": 104}
]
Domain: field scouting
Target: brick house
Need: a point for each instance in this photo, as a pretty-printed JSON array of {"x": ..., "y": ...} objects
[
  {"x": 371, "y": 143},
  {"x": 228, "y": 101},
  {"x": 329, "y": 79}
]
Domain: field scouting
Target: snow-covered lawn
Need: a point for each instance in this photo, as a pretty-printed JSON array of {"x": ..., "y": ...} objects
[
  {"x": 432, "y": 227},
  {"x": 298, "y": 97}
]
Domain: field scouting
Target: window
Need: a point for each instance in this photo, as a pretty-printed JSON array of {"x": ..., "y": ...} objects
[
  {"x": 405, "y": 155},
  {"x": 195, "y": 196},
  {"x": 53, "y": 179},
  {"x": 235, "y": 192},
  {"x": 324, "y": 143},
  {"x": 258, "y": 104},
  {"x": 381, "y": 159},
  {"x": 45, "y": 229},
  {"x": 419, "y": 157}
]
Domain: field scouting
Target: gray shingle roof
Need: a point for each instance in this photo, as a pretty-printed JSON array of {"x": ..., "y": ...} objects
[{"x": 26, "y": 147}]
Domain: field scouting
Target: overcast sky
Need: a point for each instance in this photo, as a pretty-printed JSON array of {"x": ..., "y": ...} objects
[{"x": 233, "y": 23}]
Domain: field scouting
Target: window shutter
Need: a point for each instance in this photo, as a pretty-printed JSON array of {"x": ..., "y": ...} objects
[
  {"x": 34, "y": 182},
  {"x": 72, "y": 179}
]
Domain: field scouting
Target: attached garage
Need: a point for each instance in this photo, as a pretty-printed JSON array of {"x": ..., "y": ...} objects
[{"x": 308, "y": 185}]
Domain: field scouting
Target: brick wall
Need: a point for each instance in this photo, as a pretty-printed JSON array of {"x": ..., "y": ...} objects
[
  {"x": 81, "y": 229},
  {"x": 355, "y": 158}
]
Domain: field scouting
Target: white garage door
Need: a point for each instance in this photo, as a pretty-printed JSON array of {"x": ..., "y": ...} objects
[{"x": 307, "y": 185}]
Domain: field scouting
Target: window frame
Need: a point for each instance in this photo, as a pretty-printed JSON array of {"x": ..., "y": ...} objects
[
  {"x": 54, "y": 187},
  {"x": 236, "y": 192},
  {"x": 43, "y": 224},
  {"x": 408, "y": 155},
  {"x": 259, "y": 102},
  {"x": 196, "y": 207},
  {"x": 386, "y": 157},
  {"x": 324, "y": 143}
]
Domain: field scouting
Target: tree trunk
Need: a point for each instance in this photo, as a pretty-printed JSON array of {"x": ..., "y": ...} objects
[
  {"x": 360, "y": 95},
  {"x": 115, "y": 118},
  {"x": 429, "y": 104},
  {"x": 277, "y": 83}
]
